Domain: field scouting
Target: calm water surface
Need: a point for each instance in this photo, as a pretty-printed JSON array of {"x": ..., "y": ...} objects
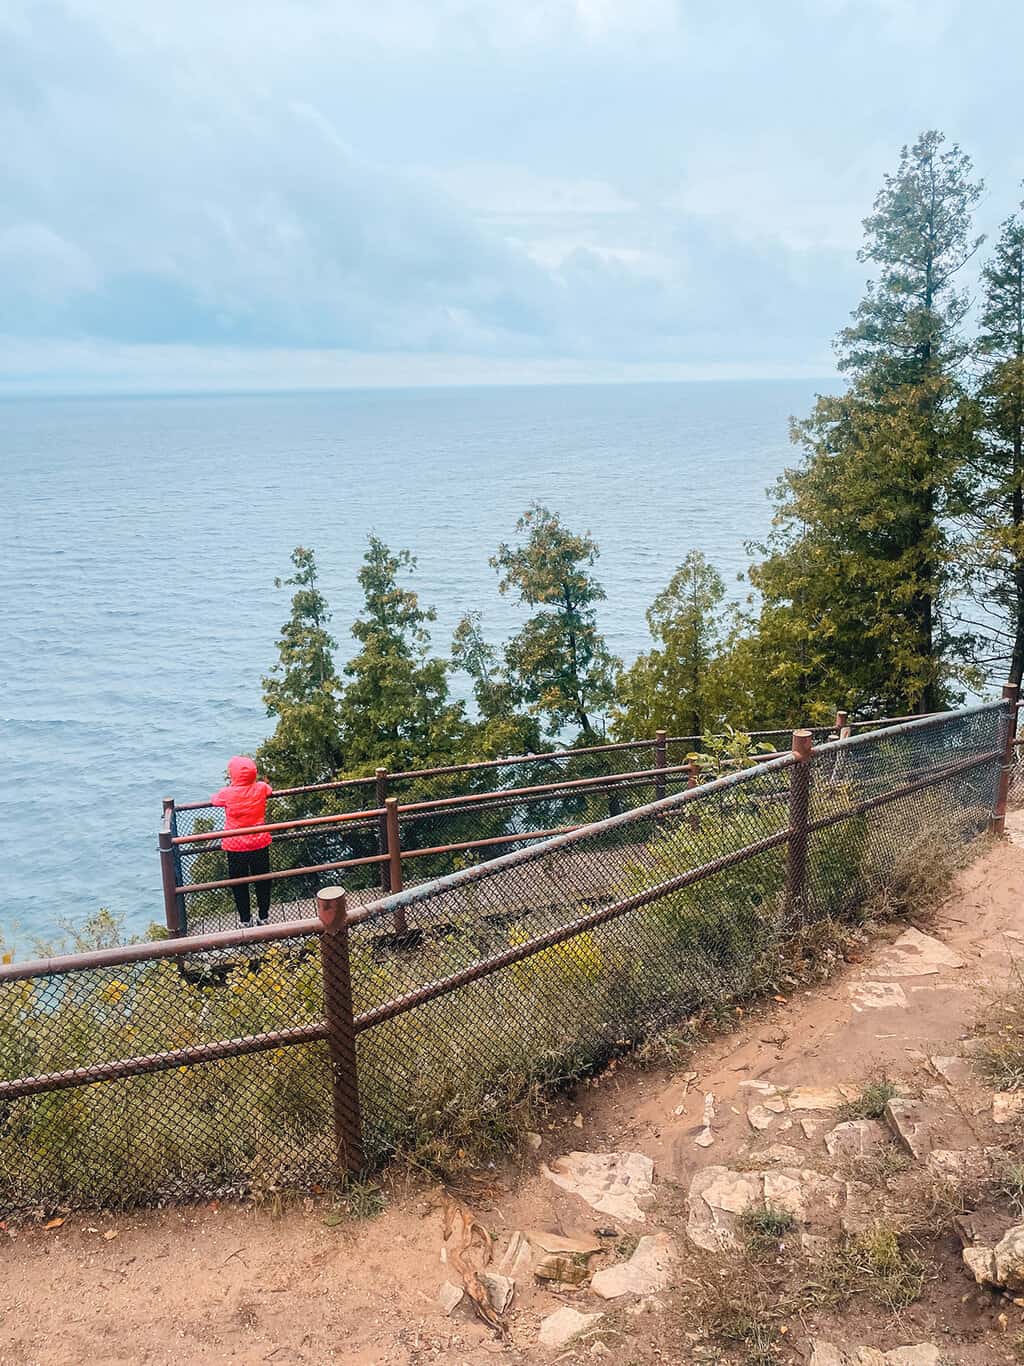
[{"x": 139, "y": 540}]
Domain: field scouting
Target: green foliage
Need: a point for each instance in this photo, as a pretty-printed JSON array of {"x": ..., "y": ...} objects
[
  {"x": 763, "y": 1229},
  {"x": 995, "y": 511},
  {"x": 395, "y": 711},
  {"x": 856, "y": 578},
  {"x": 502, "y": 729},
  {"x": 677, "y": 686},
  {"x": 871, "y": 1102},
  {"x": 302, "y": 689},
  {"x": 558, "y": 662}
]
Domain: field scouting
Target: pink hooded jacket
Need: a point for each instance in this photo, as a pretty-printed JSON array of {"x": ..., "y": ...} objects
[{"x": 244, "y": 803}]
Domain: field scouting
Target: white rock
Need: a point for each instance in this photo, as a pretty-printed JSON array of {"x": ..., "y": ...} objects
[
  {"x": 1007, "y": 1106},
  {"x": 819, "y": 1097},
  {"x": 648, "y": 1270},
  {"x": 1009, "y": 1258},
  {"x": 563, "y": 1325},
  {"x": 449, "y": 1296},
  {"x": 957, "y": 1071},
  {"x": 534, "y": 1141},
  {"x": 855, "y": 1138},
  {"x": 611, "y": 1183},
  {"x": 981, "y": 1263},
  {"x": 760, "y": 1117},
  {"x": 717, "y": 1197},
  {"x": 517, "y": 1259},
  {"x": 778, "y": 1152},
  {"x": 917, "y": 955},
  {"x": 878, "y": 996},
  {"x": 500, "y": 1289},
  {"x": 828, "y": 1354}
]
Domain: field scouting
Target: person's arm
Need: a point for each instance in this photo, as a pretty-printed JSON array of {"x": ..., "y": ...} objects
[{"x": 219, "y": 798}]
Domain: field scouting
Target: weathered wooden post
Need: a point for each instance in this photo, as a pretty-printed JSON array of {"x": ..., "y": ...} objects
[
  {"x": 174, "y": 903},
  {"x": 1007, "y": 735},
  {"x": 394, "y": 864},
  {"x": 799, "y": 802},
  {"x": 341, "y": 1039}
]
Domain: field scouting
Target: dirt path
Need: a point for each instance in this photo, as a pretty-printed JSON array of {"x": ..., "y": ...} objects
[{"x": 241, "y": 1285}]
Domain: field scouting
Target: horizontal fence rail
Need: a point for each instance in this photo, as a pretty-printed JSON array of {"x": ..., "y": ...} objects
[
  {"x": 282, "y": 1055},
  {"x": 416, "y": 827}
]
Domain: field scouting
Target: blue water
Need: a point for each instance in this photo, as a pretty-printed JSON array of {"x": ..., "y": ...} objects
[{"x": 140, "y": 537}]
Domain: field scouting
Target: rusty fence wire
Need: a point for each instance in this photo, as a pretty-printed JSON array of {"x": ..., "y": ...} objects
[{"x": 267, "y": 1058}]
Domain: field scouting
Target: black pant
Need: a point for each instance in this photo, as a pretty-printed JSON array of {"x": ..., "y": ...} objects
[{"x": 246, "y": 863}]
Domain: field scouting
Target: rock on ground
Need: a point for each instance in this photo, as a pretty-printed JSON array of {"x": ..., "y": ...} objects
[
  {"x": 649, "y": 1269},
  {"x": 828, "y": 1354},
  {"x": 718, "y": 1196},
  {"x": 563, "y": 1325},
  {"x": 612, "y": 1183},
  {"x": 1002, "y": 1265}
]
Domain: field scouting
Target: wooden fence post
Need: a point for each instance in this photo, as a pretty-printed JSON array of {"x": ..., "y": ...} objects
[
  {"x": 348, "y": 1127},
  {"x": 660, "y": 761},
  {"x": 1007, "y": 735},
  {"x": 174, "y": 904},
  {"x": 394, "y": 864},
  {"x": 842, "y": 725},
  {"x": 381, "y": 776},
  {"x": 799, "y": 801}
]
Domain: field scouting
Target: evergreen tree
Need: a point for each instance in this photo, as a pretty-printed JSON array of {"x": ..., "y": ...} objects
[
  {"x": 857, "y": 574},
  {"x": 997, "y": 512},
  {"x": 302, "y": 688},
  {"x": 394, "y": 711},
  {"x": 502, "y": 729},
  {"x": 558, "y": 663},
  {"x": 677, "y": 685}
]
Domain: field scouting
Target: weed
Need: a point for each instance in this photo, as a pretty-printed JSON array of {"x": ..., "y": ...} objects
[
  {"x": 1011, "y": 1187},
  {"x": 764, "y": 1229},
  {"x": 871, "y": 1102},
  {"x": 873, "y": 1263},
  {"x": 364, "y": 1200}
]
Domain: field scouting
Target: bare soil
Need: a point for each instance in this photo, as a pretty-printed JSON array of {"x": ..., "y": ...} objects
[{"x": 252, "y": 1285}]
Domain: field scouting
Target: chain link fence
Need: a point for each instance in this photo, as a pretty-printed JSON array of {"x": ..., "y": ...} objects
[{"x": 222, "y": 1064}]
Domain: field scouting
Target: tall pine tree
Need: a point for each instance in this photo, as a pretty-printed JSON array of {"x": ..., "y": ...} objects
[
  {"x": 997, "y": 504},
  {"x": 676, "y": 685},
  {"x": 303, "y": 687},
  {"x": 859, "y": 568},
  {"x": 395, "y": 711},
  {"x": 558, "y": 662}
]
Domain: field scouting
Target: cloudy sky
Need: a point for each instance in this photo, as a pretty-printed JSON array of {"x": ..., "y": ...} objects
[{"x": 280, "y": 193}]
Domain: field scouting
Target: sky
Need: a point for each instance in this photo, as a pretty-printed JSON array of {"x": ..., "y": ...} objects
[{"x": 261, "y": 194}]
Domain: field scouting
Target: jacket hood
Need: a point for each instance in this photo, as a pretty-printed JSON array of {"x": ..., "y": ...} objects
[{"x": 241, "y": 770}]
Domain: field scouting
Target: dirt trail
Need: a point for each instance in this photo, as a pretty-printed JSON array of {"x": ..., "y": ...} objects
[{"x": 241, "y": 1285}]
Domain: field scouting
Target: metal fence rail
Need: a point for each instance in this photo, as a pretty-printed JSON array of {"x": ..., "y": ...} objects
[
  {"x": 424, "y": 824},
  {"x": 252, "y": 1059}
]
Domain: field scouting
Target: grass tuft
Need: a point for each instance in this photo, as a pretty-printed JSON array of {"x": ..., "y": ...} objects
[
  {"x": 871, "y": 1102},
  {"x": 763, "y": 1230}
]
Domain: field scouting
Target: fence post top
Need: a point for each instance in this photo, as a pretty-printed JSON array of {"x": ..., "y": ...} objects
[
  {"x": 330, "y": 907},
  {"x": 1011, "y": 691},
  {"x": 803, "y": 743},
  {"x": 390, "y": 801}
]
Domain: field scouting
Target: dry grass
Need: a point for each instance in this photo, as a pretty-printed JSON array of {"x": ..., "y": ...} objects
[{"x": 871, "y": 1102}]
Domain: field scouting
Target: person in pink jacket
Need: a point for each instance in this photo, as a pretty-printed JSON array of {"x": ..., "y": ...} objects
[{"x": 245, "y": 803}]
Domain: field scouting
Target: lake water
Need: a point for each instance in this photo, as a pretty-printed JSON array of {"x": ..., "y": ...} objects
[{"x": 140, "y": 537}]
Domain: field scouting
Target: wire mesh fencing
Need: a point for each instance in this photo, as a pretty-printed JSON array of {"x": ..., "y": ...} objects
[{"x": 254, "y": 1060}]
